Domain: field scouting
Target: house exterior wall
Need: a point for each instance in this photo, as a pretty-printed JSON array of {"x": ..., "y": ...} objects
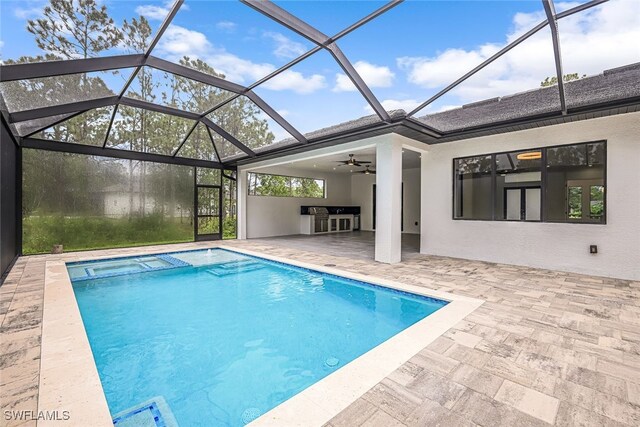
[
  {"x": 120, "y": 205},
  {"x": 362, "y": 195},
  {"x": 280, "y": 216},
  {"x": 554, "y": 246}
]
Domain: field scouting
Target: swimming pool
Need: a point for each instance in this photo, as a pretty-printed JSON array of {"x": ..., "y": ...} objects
[{"x": 226, "y": 337}]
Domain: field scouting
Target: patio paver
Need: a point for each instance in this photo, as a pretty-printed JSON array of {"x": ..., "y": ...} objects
[{"x": 546, "y": 348}]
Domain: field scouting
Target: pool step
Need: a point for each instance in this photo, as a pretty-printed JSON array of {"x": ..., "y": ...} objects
[
  {"x": 234, "y": 263},
  {"x": 153, "y": 412},
  {"x": 234, "y": 267}
]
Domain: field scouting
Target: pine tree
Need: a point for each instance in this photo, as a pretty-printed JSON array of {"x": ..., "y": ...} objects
[{"x": 75, "y": 29}]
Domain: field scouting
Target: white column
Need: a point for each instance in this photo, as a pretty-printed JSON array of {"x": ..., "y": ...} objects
[
  {"x": 241, "y": 182},
  {"x": 424, "y": 200},
  {"x": 388, "y": 201}
]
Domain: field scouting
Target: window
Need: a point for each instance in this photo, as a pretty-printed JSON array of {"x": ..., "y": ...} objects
[
  {"x": 575, "y": 183},
  {"x": 473, "y": 188},
  {"x": 518, "y": 185},
  {"x": 553, "y": 184},
  {"x": 262, "y": 184}
]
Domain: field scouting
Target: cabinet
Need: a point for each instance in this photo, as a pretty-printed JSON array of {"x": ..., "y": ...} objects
[{"x": 311, "y": 224}]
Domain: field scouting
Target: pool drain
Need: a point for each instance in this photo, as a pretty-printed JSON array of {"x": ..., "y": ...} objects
[
  {"x": 332, "y": 362},
  {"x": 250, "y": 414}
]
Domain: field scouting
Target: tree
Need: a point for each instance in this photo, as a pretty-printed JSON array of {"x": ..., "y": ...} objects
[
  {"x": 240, "y": 117},
  {"x": 75, "y": 29},
  {"x": 284, "y": 186},
  {"x": 550, "y": 81},
  {"x": 72, "y": 29}
]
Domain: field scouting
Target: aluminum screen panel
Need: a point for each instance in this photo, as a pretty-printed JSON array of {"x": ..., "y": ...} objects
[{"x": 147, "y": 131}]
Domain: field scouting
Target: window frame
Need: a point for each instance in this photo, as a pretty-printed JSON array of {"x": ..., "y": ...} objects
[
  {"x": 324, "y": 185},
  {"x": 543, "y": 184}
]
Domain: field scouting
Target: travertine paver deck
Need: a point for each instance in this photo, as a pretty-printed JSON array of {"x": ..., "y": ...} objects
[{"x": 545, "y": 348}]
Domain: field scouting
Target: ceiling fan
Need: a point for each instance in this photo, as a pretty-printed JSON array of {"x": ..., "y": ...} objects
[
  {"x": 367, "y": 171},
  {"x": 351, "y": 162}
]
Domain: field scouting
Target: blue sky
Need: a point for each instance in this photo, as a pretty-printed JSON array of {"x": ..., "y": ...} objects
[{"x": 405, "y": 55}]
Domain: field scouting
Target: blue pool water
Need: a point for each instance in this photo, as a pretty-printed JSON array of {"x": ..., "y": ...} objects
[{"x": 227, "y": 337}]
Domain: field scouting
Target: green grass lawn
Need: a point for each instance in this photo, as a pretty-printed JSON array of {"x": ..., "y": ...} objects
[{"x": 40, "y": 233}]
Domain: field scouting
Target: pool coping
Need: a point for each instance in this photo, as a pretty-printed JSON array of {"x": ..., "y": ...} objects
[{"x": 69, "y": 377}]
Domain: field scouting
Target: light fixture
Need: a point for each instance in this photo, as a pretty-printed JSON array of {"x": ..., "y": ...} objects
[{"x": 530, "y": 155}]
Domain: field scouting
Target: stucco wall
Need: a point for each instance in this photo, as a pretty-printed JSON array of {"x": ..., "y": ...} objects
[
  {"x": 362, "y": 195},
  {"x": 555, "y": 246},
  {"x": 280, "y": 216}
]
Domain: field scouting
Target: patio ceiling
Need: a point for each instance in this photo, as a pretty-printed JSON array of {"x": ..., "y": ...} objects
[{"x": 110, "y": 99}]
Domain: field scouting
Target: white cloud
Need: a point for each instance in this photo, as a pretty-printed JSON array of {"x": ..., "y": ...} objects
[
  {"x": 591, "y": 41},
  {"x": 226, "y": 26},
  {"x": 153, "y": 11},
  {"x": 237, "y": 69},
  {"x": 373, "y": 76},
  {"x": 296, "y": 82},
  {"x": 441, "y": 70},
  {"x": 284, "y": 46},
  {"x": 27, "y": 13},
  {"x": 179, "y": 41}
]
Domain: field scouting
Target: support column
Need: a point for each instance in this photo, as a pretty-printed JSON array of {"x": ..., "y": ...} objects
[
  {"x": 424, "y": 200},
  {"x": 388, "y": 201},
  {"x": 241, "y": 183}
]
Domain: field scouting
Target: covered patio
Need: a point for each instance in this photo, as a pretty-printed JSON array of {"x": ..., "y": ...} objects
[{"x": 355, "y": 245}]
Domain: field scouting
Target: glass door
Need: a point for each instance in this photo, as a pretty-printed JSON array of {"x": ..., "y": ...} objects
[
  {"x": 522, "y": 204},
  {"x": 208, "y": 212},
  {"x": 585, "y": 200}
]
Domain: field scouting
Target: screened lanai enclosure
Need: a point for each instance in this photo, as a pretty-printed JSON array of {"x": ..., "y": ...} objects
[{"x": 129, "y": 130}]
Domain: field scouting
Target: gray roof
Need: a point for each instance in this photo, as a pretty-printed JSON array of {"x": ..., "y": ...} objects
[
  {"x": 615, "y": 91},
  {"x": 611, "y": 85},
  {"x": 359, "y": 123}
]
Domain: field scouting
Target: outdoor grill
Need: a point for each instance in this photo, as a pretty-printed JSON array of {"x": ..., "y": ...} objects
[{"x": 321, "y": 218}]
